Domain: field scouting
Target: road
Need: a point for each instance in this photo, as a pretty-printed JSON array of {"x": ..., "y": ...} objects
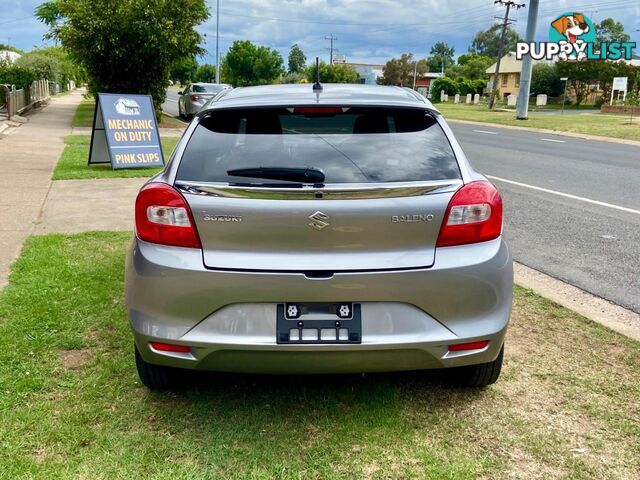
[
  {"x": 170, "y": 106},
  {"x": 572, "y": 206}
]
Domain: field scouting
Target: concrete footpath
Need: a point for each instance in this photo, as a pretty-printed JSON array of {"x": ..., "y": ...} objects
[{"x": 27, "y": 159}]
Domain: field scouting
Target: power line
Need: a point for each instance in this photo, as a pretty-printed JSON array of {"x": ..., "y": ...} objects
[{"x": 506, "y": 21}]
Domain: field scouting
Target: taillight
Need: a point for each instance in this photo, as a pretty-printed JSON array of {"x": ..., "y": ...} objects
[
  {"x": 474, "y": 215},
  {"x": 195, "y": 98},
  {"x": 163, "y": 216}
]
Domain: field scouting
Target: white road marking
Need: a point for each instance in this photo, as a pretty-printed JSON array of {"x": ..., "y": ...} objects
[
  {"x": 172, "y": 100},
  {"x": 485, "y": 131},
  {"x": 552, "y": 140},
  {"x": 567, "y": 195}
]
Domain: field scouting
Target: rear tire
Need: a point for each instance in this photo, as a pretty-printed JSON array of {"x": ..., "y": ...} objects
[
  {"x": 483, "y": 374},
  {"x": 180, "y": 113},
  {"x": 157, "y": 377}
]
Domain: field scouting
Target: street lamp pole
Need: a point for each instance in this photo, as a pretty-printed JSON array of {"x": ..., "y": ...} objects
[{"x": 217, "y": 41}]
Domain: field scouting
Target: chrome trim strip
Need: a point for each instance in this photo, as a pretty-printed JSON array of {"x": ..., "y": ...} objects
[{"x": 334, "y": 191}]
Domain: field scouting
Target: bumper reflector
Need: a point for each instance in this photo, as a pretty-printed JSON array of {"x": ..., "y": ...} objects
[
  {"x": 460, "y": 347},
  {"x": 167, "y": 347}
]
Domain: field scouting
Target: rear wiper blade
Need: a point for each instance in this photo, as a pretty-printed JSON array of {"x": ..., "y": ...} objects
[{"x": 294, "y": 174}]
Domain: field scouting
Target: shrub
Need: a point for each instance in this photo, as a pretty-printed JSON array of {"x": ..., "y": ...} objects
[
  {"x": 18, "y": 76},
  {"x": 445, "y": 84}
]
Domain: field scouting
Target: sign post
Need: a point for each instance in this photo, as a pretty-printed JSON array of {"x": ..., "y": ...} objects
[
  {"x": 125, "y": 132},
  {"x": 564, "y": 95}
]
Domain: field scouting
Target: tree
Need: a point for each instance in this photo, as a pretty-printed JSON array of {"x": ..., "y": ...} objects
[
  {"x": 184, "y": 70},
  {"x": 52, "y": 64},
  {"x": 10, "y": 48},
  {"x": 633, "y": 100},
  {"x": 399, "y": 71},
  {"x": 42, "y": 66},
  {"x": 336, "y": 73},
  {"x": 545, "y": 80},
  {"x": 611, "y": 31},
  {"x": 441, "y": 57},
  {"x": 205, "y": 73},
  {"x": 471, "y": 66},
  {"x": 295, "y": 77},
  {"x": 248, "y": 64},
  {"x": 129, "y": 45},
  {"x": 487, "y": 42},
  {"x": 297, "y": 59}
]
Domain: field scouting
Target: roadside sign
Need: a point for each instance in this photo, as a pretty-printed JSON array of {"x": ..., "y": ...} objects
[
  {"x": 564, "y": 79},
  {"x": 620, "y": 83},
  {"x": 125, "y": 132}
]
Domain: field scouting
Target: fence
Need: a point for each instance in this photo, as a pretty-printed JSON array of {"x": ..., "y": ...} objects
[{"x": 17, "y": 101}]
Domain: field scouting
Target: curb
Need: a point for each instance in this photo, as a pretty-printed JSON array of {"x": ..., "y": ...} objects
[
  {"x": 599, "y": 310},
  {"x": 584, "y": 136}
]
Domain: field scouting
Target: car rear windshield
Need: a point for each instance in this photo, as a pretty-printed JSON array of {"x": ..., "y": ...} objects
[
  {"x": 350, "y": 145},
  {"x": 207, "y": 88}
]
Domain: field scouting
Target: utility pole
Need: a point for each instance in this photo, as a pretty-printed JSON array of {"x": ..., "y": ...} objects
[
  {"x": 331, "y": 38},
  {"x": 217, "y": 41},
  {"x": 506, "y": 21},
  {"x": 522, "y": 104}
]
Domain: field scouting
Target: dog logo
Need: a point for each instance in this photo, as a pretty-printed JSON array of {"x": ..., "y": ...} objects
[{"x": 575, "y": 29}]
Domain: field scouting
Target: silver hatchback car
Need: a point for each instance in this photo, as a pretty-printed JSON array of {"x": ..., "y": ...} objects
[
  {"x": 299, "y": 230},
  {"x": 194, "y": 97}
]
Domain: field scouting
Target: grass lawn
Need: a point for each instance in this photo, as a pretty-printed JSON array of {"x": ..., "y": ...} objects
[
  {"x": 84, "y": 116},
  {"x": 72, "y": 164},
  {"x": 566, "y": 406},
  {"x": 84, "y": 113},
  {"x": 592, "y": 124}
]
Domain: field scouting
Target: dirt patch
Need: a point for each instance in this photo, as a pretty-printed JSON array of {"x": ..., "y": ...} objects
[{"x": 74, "y": 359}]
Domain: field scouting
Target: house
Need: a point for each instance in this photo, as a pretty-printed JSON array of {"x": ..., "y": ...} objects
[
  {"x": 8, "y": 57},
  {"x": 509, "y": 81},
  {"x": 423, "y": 84},
  {"x": 369, "y": 73},
  {"x": 127, "y": 106}
]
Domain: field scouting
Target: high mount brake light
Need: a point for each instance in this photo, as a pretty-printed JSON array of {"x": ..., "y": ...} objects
[
  {"x": 317, "y": 111},
  {"x": 163, "y": 217},
  {"x": 474, "y": 215}
]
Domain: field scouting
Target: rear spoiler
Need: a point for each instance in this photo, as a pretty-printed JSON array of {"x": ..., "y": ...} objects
[{"x": 422, "y": 99}]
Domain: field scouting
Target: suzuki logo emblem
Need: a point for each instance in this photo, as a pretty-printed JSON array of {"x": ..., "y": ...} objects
[{"x": 318, "y": 220}]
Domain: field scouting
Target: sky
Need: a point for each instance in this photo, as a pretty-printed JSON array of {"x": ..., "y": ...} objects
[{"x": 367, "y": 31}]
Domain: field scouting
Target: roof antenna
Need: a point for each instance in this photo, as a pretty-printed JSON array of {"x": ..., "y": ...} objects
[{"x": 317, "y": 87}]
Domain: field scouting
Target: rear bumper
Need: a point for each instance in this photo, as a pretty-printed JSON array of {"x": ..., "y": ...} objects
[
  {"x": 194, "y": 107},
  {"x": 408, "y": 317}
]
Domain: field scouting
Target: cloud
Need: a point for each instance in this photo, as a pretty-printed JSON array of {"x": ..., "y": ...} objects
[{"x": 367, "y": 31}]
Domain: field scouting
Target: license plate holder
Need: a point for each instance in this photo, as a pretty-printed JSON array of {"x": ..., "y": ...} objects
[{"x": 296, "y": 322}]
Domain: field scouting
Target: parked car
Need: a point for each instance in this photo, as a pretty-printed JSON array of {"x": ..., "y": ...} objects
[
  {"x": 195, "y": 95},
  {"x": 302, "y": 231}
]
